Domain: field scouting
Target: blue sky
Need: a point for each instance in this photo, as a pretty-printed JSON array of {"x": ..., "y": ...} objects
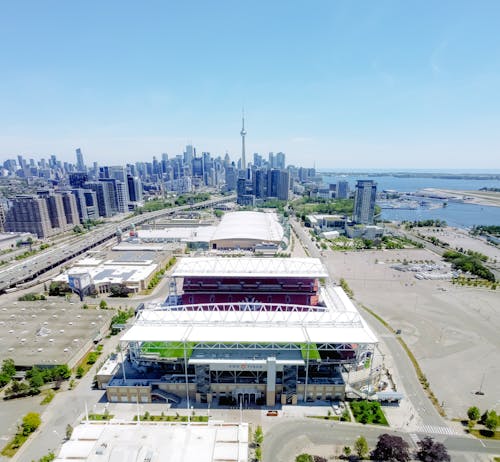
[{"x": 338, "y": 84}]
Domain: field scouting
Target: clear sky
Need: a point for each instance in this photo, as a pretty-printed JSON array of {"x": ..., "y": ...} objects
[{"x": 360, "y": 84}]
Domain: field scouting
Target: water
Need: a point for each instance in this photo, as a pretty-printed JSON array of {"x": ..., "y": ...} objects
[{"x": 456, "y": 214}]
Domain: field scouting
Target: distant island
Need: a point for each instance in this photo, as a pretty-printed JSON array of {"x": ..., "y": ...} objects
[{"x": 444, "y": 176}]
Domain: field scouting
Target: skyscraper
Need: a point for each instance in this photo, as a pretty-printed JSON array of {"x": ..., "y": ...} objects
[
  {"x": 80, "y": 165},
  {"x": 364, "y": 201},
  {"x": 342, "y": 190},
  {"x": 243, "y": 134}
]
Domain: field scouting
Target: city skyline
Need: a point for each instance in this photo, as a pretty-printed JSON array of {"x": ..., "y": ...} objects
[{"x": 387, "y": 85}]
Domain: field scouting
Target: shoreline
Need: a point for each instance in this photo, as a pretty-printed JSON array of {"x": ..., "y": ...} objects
[{"x": 487, "y": 198}]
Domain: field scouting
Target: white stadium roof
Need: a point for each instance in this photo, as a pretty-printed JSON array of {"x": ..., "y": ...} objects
[
  {"x": 251, "y": 267},
  {"x": 255, "y": 226},
  {"x": 338, "y": 322}
]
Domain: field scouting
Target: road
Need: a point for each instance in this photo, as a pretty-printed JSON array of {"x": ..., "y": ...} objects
[
  {"x": 286, "y": 439},
  {"x": 31, "y": 268}
]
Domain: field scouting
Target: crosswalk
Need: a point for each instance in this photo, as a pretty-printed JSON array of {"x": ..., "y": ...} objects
[{"x": 437, "y": 430}]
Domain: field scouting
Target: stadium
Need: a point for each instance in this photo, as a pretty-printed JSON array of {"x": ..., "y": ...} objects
[{"x": 255, "y": 331}]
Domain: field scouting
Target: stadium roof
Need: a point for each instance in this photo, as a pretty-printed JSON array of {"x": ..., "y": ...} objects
[
  {"x": 251, "y": 267},
  {"x": 338, "y": 322},
  {"x": 258, "y": 226}
]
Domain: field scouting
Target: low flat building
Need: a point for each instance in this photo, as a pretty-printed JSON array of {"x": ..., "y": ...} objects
[{"x": 156, "y": 442}]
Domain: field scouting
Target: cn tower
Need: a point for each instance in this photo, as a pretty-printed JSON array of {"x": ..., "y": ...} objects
[{"x": 243, "y": 134}]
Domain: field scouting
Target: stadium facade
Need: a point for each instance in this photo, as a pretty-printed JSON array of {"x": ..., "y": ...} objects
[{"x": 244, "y": 330}]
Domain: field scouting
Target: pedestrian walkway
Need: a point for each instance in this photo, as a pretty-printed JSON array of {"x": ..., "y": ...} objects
[
  {"x": 414, "y": 438},
  {"x": 436, "y": 430}
]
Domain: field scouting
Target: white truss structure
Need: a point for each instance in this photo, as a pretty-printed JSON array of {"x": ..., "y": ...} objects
[
  {"x": 248, "y": 314},
  {"x": 250, "y": 267}
]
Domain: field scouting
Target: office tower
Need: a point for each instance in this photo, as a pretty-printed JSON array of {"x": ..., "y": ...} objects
[
  {"x": 119, "y": 173},
  {"x": 280, "y": 161},
  {"x": 80, "y": 165},
  {"x": 189, "y": 153},
  {"x": 78, "y": 179},
  {"x": 231, "y": 178},
  {"x": 257, "y": 160},
  {"x": 103, "y": 197},
  {"x": 271, "y": 160},
  {"x": 29, "y": 214},
  {"x": 342, "y": 190},
  {"x": 134, "y": 188},
  {"x": 278, "y": 184},
  {"x": 243, "y": 133},
  {"x": 260, "y": 183},
  {"x": 283, "y": 185},
  {"x": 364, "y": 201}
]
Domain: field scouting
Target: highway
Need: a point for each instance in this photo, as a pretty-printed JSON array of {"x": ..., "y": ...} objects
[{"x": 32, "y": 267}]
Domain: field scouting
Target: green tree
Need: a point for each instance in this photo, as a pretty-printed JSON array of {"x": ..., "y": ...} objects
[
  {"x": 69, "y": 431},
  {"x": 79, "y": 372},
  {"x": 304, "y": 458},
  {"x": 347, "y": 451},
  {"x": 103, "y": 305},
  {"x": 31, "y": 422},
  {"x": 491, "y": 422},
  {"x": 8, "y": 367},
  {"x": 361, "y": 447},
  {"x": 473, "y": 413},
  {"x": 258, "y": 453}
]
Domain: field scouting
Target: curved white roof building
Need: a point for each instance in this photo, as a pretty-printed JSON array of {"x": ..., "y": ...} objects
[{"x": 244, "y": 230}]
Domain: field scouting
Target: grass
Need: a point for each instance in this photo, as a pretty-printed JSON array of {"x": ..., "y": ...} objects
[
  {"x": 421, "y": 376},
  {"x": 485, "y": 434},
  {"x": 172, "y": 418},
  {"x": 100, "y": 416},
  {"x": 168, "y": 349},
  {"x": 368, "y": 412},
  {"x": 49, "y": 396},
  {"x": 14, "y": 444},
  {"x": 84, "y": 363},
  {"x": 324, "y": 417},
  {"x": 313, "y": 351}
]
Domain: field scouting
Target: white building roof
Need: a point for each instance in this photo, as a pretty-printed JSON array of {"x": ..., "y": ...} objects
[
  {"x": 258, "y": 226},
  {"x": 249, "y": 266},
  {"x": 158, "y": 442},
  {"x": 338, "y": 322}
]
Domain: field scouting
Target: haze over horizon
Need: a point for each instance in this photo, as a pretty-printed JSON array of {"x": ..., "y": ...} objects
[{"x": 342, "y": 85}]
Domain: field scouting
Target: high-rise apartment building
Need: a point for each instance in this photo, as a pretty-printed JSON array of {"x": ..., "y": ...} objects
[
  {"x": 364, "y": 201},
  {"x": 29, "y": 214}
]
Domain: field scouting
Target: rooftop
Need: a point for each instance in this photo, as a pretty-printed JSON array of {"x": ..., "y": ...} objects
[
  {"x": 249, "y": 266},
  {"x": 337, "y": 322},
  {"x": 259, "y": 226},
  {"x": 158, "y": 442}
]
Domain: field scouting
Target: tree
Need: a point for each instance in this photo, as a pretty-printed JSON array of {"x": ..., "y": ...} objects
[
  {"x": 31, "y": 422},
  {"x": 304, "y": 458},
  {"x": 473, "y": 413},
  {"x": 69, "y": 431},
  {"x": 361, "y": 447},
  {"x": 432, "y": 451},
  {"x": 258, "y": 453},
  {"x": 103, "y": 305},
  {"x": 347, "y": 450},
  {"x": 391, "y": 448},
  {"x": 8, "y": 367},
  {"x": 79, "y": 372},
  {"x": 491, "y": 422}
]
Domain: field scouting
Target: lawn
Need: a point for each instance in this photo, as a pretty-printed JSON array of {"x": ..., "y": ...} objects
[
  {"x": 168, "y": 349},
  {"x": 368, "y": 412},
  {"x": 313, "y": 352}
]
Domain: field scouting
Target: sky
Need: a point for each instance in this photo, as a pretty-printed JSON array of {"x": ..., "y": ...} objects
[{"x": 333, "y": 84}]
